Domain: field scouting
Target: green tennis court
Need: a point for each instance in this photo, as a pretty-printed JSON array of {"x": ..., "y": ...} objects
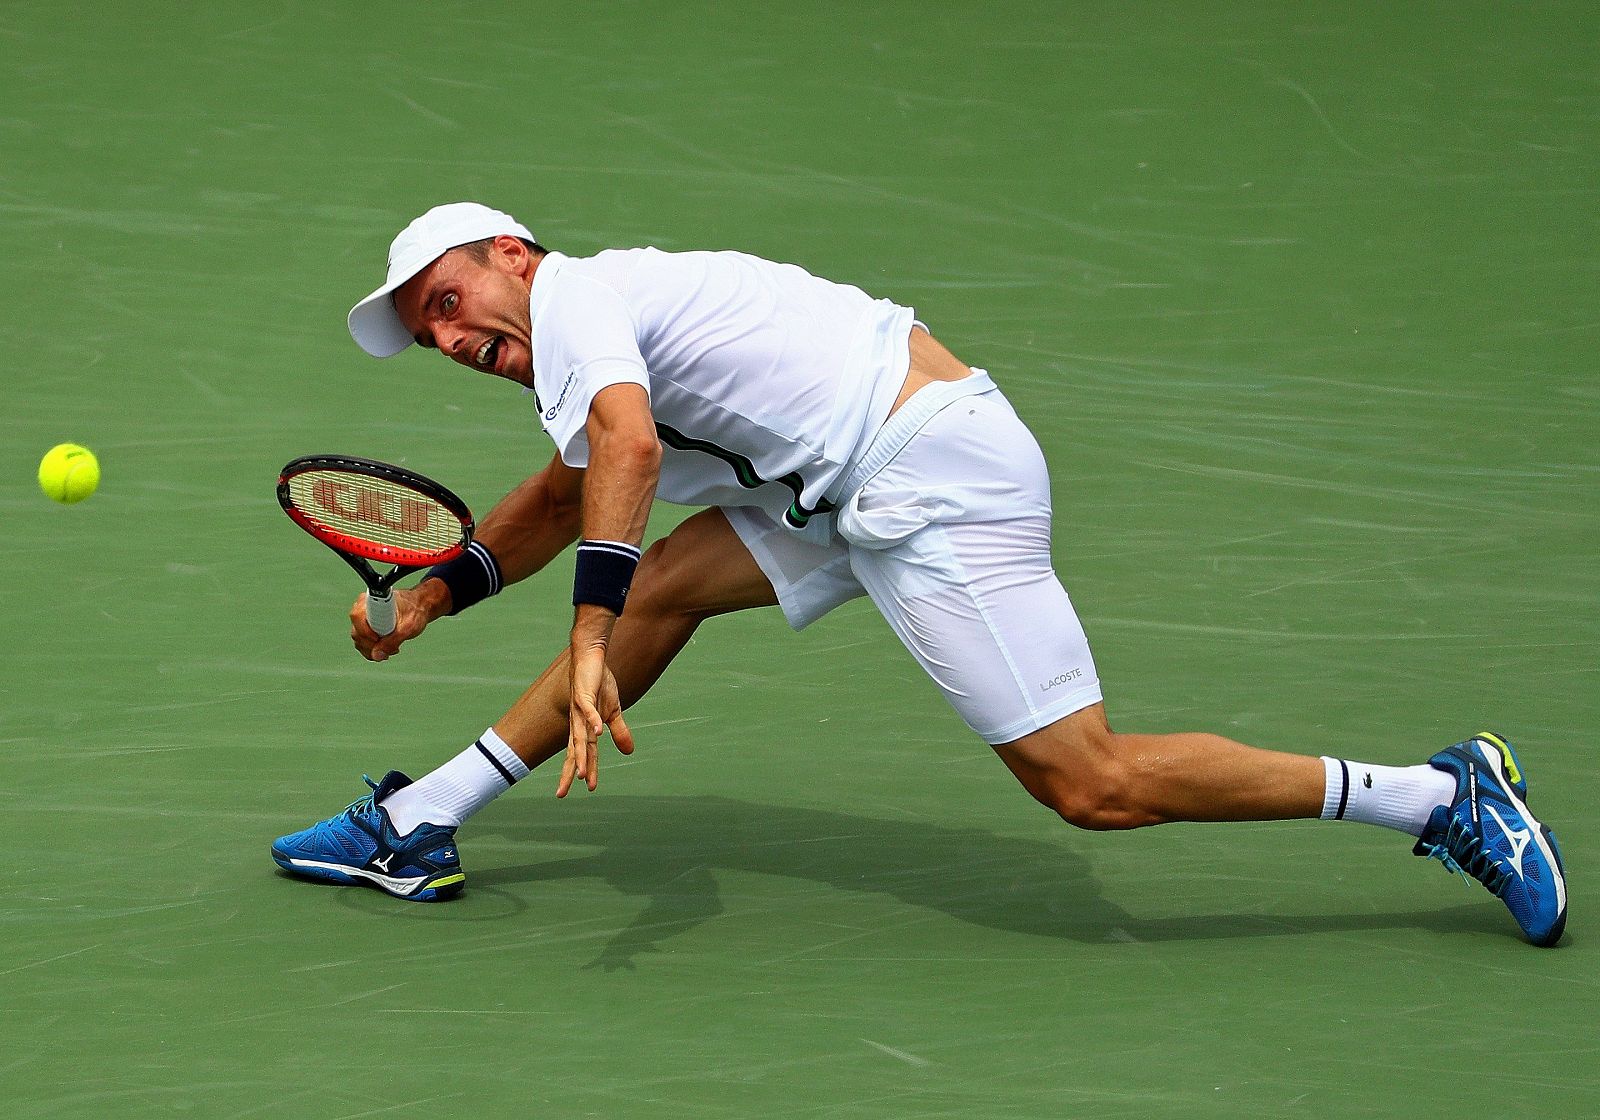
[{"x": 1300, "y": 301}]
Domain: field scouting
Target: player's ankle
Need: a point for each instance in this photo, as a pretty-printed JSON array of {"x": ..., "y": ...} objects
[{"x": 455, "y": 791}]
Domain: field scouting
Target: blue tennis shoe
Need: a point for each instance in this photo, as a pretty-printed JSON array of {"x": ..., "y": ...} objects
[
  {"x": 1487, "y": 832},
  {"x": 360, "y": 845}
]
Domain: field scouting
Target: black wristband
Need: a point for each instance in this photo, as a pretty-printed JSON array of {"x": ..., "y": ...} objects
[
  {"x": 602, "y": 574},
  {"x": 471, "y": 577}
]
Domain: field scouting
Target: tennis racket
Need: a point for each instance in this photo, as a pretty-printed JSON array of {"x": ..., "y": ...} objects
[{"x": 367, "y": 511}]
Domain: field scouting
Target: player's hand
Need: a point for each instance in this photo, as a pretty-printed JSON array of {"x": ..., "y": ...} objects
[
  {"x": 414, "y": 609},
  {"x": 595, "y": 705}
]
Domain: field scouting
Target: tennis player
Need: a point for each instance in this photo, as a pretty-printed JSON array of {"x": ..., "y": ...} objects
[{"x": 838, "y": 450}]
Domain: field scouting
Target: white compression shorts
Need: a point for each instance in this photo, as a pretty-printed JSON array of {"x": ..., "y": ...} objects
[{"x": 951, "y": 540}]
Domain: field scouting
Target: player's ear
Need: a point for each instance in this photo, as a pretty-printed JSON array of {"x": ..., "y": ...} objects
[{"x": 512, "y": 252}]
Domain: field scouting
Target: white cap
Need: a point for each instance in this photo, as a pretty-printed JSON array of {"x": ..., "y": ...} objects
[{"x": 374, "y": 323}]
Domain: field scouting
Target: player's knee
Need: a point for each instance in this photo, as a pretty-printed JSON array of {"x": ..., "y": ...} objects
[
  {"x": 652, "y": 591},
  {"x": 1090, "y": 778},
  {"x": 666, "y": 583},
  {"x": 1103, "y": 797}
]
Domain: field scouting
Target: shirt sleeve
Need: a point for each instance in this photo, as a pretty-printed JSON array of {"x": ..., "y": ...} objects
[{"x": 590, "y": 342}]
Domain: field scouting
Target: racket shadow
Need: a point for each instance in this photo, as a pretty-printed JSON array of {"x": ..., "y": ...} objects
[{"x": 668, "y": 850}]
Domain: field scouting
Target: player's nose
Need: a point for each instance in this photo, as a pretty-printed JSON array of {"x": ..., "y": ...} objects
[{"x": 449, "y": 340}]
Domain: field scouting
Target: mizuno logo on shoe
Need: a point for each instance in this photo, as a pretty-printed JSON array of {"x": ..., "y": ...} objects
[
  {"x": 1518, "y": 838},
  {"x": 383, "y": 864}
]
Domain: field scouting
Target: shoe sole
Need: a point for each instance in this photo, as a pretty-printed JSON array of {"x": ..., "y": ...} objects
[
  {"x": 417, "y": 889},
  {"x": 1503, "y": 760}
]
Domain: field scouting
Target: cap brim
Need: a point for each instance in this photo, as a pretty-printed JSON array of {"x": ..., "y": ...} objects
[{"x": 375, "y": 324}]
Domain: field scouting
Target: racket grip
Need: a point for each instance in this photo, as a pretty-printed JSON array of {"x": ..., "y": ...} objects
[{"x": 380, "y": 612}]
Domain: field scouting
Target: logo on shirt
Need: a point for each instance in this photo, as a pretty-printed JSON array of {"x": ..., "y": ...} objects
[{"x": 561, "y": 399}]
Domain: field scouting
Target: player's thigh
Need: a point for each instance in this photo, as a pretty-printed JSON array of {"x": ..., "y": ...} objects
[
  {"x": 982, "y": 611},
  {"x": 952, "y": 541},
  {"x": 701, "y": 568}
]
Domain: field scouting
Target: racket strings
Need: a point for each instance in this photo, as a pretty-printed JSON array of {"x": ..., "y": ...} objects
[{"x": 374, "y": 511}]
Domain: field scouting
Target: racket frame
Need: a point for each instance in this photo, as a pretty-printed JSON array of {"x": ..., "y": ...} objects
[{"x": 360, "y": 554}]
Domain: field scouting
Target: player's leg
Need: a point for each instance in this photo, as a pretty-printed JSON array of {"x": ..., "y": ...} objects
[
  {"x": 968, "y": 584},
  {"x": 716, "y": 562},
  {"x": 699, "y": 570},
  {"x": 1098, "y": 779},
  {"x": 401, "y": 837},
  {"x": 973, "y": 595},
  {"x": 981, "y": 609},
  {"x": 1467, "y": 806}
]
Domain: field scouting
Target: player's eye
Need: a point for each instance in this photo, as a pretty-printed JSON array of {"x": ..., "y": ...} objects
[{"x": 448, "y": 303}]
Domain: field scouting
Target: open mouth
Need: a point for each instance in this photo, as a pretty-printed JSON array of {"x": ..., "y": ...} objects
[{"x": 488, "y": 355}]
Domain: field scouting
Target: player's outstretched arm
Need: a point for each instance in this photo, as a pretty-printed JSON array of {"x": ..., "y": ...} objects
[
  {"x": 525, "y": 530},
  {"x": 624, "y": 464}
]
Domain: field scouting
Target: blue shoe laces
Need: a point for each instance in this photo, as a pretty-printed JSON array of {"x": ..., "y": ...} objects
[
  {"x": 1465, "y": 853},
  {"x": 365, "y": 804}
]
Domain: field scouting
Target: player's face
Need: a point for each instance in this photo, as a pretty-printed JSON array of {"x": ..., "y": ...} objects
[{"x": 475, "y": 313}]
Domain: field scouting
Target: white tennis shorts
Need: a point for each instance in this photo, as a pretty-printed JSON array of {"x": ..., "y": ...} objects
[{"x": 951, "y": 539}]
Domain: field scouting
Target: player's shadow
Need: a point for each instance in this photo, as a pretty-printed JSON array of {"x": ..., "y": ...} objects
[{"x": 668, "y": 849}]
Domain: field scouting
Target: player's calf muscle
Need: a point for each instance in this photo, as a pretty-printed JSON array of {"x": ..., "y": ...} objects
[{"x": 1098, "y": 779}]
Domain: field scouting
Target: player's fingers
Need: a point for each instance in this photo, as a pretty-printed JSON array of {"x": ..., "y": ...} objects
[
  {"x": 572, "y": 764},
  {"x": 588, "y": 725},
  {"x": 565, "y": 783},
  {"x": 361, "y": 634},
  {"x": 575, "y": 765},
  {"x": 611, "y": 710},
  {"x": 620, "y": 734},
  {"x": 584, "y": 709}
]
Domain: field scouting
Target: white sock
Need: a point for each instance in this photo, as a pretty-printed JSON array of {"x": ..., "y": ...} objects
[
  {"x": 1398, "y": 797},
  {"x": 459, "y": 788}
]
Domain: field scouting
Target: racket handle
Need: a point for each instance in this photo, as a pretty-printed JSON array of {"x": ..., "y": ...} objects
[{"x": 380, "y": 612}]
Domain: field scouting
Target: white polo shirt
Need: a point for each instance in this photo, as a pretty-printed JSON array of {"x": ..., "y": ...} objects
[{"x": 766, "y": 382}]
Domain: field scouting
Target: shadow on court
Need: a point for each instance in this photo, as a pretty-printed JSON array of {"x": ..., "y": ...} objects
[{"x": 668, "y": 850}]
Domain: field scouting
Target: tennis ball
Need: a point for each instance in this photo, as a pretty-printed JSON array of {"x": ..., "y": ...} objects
[{"x": 69, "y": 473}]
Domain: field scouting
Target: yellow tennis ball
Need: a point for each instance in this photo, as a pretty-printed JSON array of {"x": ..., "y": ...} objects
[{"x": 69, "y": 473}]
